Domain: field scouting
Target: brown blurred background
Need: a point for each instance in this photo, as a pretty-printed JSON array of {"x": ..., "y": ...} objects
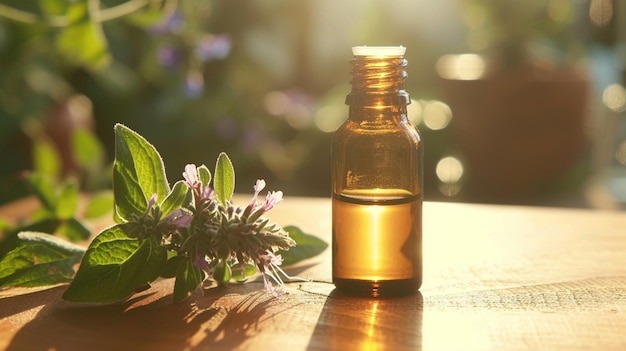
[{"x": 518, "y": 102}]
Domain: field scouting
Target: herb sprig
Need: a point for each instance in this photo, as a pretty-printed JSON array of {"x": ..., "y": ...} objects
[{"x": 190, "y": 231}]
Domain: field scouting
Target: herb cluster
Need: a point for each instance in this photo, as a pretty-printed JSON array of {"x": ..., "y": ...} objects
[{"x": 190, "y": 231}]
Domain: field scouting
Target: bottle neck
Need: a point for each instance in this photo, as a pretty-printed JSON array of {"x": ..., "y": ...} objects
[{"x": 378, "y": 83}]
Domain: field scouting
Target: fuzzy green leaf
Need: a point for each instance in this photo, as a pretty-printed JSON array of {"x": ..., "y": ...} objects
[
  {"x": 138, "y": 173},
  {"x": 115, "y": 266},
  {"x": 204, "y": 175},
  {"x": 188, "y": 279},
  {"x": 224, "y": 182},
  {"x": 40, "y": 259},
  {"x": 307, "y": 246},
  {"x": 180, "y": 196}
]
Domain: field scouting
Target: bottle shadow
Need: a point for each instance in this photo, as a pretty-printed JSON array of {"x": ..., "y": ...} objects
[{"x": 356, "y": 323}]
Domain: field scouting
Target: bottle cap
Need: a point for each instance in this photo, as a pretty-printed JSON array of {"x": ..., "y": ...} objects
[{"x": 378, "y": 50}]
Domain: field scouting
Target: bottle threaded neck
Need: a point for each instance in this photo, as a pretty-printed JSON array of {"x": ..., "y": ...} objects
[{"x": 378, "y": 80}]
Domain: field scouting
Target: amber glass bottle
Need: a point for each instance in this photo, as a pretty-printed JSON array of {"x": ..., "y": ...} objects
[{"x": 377, "y": 181}]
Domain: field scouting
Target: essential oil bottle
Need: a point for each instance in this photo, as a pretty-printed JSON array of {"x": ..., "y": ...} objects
[{"x": 377, "y": 158}]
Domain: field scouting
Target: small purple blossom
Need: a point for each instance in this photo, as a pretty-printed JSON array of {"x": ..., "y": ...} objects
[
  {"x": 168, "y": 56},
  {"x": 194, "y": 84},
  {"x": 151, "y": 202},
  {"x": 191, "y": 176},
  {"x": 201, "y": 263},
  {"x": 171, "y": 24},
  {"x": 272, "y": 199},
  {"x": 213, "y": 47},
  {"x": 179, "y": 219},
  {"x": 258, "y": 186}
]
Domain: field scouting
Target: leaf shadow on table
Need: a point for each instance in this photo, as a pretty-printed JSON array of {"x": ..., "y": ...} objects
[
  {"x": 19, "y": 303},
  {"x": 218, "y": 317},
  {"x": 355, "y": 323}
]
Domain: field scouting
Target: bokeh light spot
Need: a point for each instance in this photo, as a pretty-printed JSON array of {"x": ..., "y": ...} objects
[
  {"x": 449, "y": 170},
  {"x": 437, "y": 115},
  {"x": 601, "y": 12},
  {"x": 463, "y": 67},
  {"x": 614, "y": 97}
]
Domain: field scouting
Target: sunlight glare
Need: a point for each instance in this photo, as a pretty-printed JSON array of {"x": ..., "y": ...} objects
[{"x": 462, "y": 67}]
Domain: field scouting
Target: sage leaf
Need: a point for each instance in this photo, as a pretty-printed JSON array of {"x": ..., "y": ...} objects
[
  {"x": 39, "y": 259},
  {"x": 138, "y": 173},
  {"x": 224, "y": 182},
  {"x": 307, "y": 246},
  {"x": 180, "y": 196},
  {"x": 188, "y": 279},
  {"x": 115, "y": 266},
  {"x": 204, "y": 175}
]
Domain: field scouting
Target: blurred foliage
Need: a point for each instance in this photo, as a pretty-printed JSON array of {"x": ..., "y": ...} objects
[
  {"x": 263, "y": 80},
  {"x": 71, "y": 70}
]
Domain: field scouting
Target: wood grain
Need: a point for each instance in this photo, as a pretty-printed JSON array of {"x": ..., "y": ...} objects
[{"x": 495, "y": 278}]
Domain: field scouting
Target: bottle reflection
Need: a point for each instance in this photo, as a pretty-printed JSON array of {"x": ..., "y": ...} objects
[{"x": 369, "y": 324}]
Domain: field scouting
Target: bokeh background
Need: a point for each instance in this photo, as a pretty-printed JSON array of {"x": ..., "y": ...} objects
[{"x": 518, "y": 102}]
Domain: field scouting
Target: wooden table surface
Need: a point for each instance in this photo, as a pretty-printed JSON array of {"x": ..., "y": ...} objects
[{"x": 495, "y": 278}]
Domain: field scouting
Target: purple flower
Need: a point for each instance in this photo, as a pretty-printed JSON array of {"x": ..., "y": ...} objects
[
  {"x": 272, "y": 199},
  {"x": 171, "y": 24},
  {"x": 151, "y": 202},
  {"x": 194, "y": 84},
  {"x": 258, "y": 186},
  {"x": 179, "y": 219},
  {"x": 191, "y": 176},
  {"x": 168, "y": 56},
  {"x": 201, "y": 263},
  {"x": 213, "y": 47}
]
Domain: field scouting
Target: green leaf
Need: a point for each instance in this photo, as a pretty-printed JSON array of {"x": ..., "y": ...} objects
[
  {"x": 115, "y": 266},
  {"x": 171, "y": 266},
  {"x": 83, "y": 41},
  {"x": 44, "y": 225},
  {"x": 74, "y": 230},
  {"x": 43, "y": 186},
  {"x": 180, "y": 196},
  {"x": 307, "y": 246},
  {"x": 204, "y": 175},
  {"x": 224, "y": 182},
  {"x": 46, "y": 158},
  {"x": 67, "y": 200},
  {"x": 221, "y": 272},
  {"x": 99, "y": 205},
  {"x": 87, "y": 149},
  {"x": 188, "y": 279},
  {"x": 238, "y": 272},
  {"x": 138, "y": 173},
  {"x": 39, "y": 260}
]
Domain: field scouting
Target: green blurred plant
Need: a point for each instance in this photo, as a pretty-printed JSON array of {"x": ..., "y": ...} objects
[
  {"x": 184, "y": 65},
  {"x": 514, "y": 32}
]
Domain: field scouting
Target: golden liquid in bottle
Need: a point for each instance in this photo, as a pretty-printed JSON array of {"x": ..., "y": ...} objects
[{"x": 377, "y": 242}]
